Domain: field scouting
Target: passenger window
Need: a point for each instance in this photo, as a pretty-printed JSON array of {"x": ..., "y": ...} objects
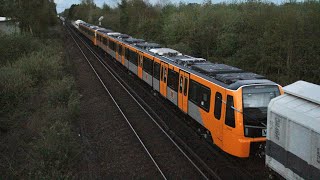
[
  {"x": 161, "y": 73},
  {"x": 164, "y": 74},
  {"x": 173, "y": 80},
  {"x": 147, "y": 65},
  {"x": 181, "y": 84},
  {"x": 120, "y": 49},
  {"x": 185, "y": 86},
  {"x": 199, "y": 95},
  {"x": 127, "y": 54},
  {"x": 230, "y": 119},
  {"x": 156, "y": 72},
  {"x": 217, "y": 105}
]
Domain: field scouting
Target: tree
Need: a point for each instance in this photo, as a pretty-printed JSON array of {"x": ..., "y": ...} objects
[{"x": 34, "y": 16}]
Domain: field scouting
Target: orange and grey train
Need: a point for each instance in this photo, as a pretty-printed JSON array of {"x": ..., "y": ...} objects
[{"x": 228, "y": 102}]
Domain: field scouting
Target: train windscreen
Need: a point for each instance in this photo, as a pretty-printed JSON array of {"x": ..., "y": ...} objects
[{"x": 255, "y": 103}]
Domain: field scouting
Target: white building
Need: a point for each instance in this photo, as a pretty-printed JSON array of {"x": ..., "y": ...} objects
[{"x": 8, "y": 26}]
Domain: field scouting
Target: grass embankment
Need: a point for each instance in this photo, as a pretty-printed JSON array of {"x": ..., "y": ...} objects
[{"x": 38, "y": 104}]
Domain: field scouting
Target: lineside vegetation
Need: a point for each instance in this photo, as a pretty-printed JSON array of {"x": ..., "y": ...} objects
[{"x": 39, "y": 103}]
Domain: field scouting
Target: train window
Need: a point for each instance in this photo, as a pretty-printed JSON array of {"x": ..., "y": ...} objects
[
  {"x": 200, "y": 95},
  {"x": 156, "y": 70},
  {"x": 147, "y": 65},
  {"x": 161, "y": 73},
  {"x": 120, "y": 49},
  {"x": 185, "y": 86},
  {"x": 127, "y": 54},
  {"x": 115, "y": 47},
  {"x": 181, "y": 84},
  {"x": 104, "y": 40},
  {"x": 141, "y": 62},
  {"x": 217, "y": 105},
  {"x": 164, "y": 74},
  {"x": 173, "y": 79},
  {"x": 112, "y": 45},
  {"x": 134, "y": 57},
  {"x": 230, "y": 119}
]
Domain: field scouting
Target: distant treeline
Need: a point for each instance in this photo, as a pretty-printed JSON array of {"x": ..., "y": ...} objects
[
  {"x": 34, "y": 16},
  {"x": 281, "y": 42}
]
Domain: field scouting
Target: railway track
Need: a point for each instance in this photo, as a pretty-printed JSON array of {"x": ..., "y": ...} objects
[{"x": 169, "y": 159}]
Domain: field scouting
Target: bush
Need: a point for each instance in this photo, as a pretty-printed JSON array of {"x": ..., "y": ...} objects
[
  {"x": 15, "y": 88},
  {"x": 38, "y": 103},
  {"x": 60, "y": 91},
  {"x": 56, "y": 148},
  {"x": 15, "y": 46},
  {"x": 41, "y": 66}
]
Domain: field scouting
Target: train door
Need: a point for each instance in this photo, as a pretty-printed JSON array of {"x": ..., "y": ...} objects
[
  {"x": 140, "y": 66},
  {"x": 123, "y": 49},
  {"x": 95, "y": 38},
  {"x": 219, "y": 109},
  {"x": 163, "y": 79},
  {"x": 183, "y": 91},
  {"x": 117, "y": 51}
]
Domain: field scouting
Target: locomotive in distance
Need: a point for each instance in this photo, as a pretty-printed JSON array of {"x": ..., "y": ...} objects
[{"x": 229, "y": 103}]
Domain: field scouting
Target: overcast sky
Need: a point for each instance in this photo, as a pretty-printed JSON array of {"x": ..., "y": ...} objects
[{"x": 63, "y": 4}]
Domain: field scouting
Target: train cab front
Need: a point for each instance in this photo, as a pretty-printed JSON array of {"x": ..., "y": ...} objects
[{"x": 250, "y": 112}]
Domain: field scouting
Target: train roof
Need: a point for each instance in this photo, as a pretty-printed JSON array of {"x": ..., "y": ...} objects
[
  {"x": 165, "y": 52},
  {"x": 133, "y": 40},
  {"x": 147, "y": 45},
  {"x": 105, "y": 31},
  {"x": 86, "y": 24},
  {"x": 94, "y": 27},
  {"x": 223, "y": 75},
  {"x": 177, "y": 57},
  {"x": 79, "y": 22},
  {"x": 123, "y": 36},
  {"x": 114, "y": 34},
  {"x": 212, "y": 69}
]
